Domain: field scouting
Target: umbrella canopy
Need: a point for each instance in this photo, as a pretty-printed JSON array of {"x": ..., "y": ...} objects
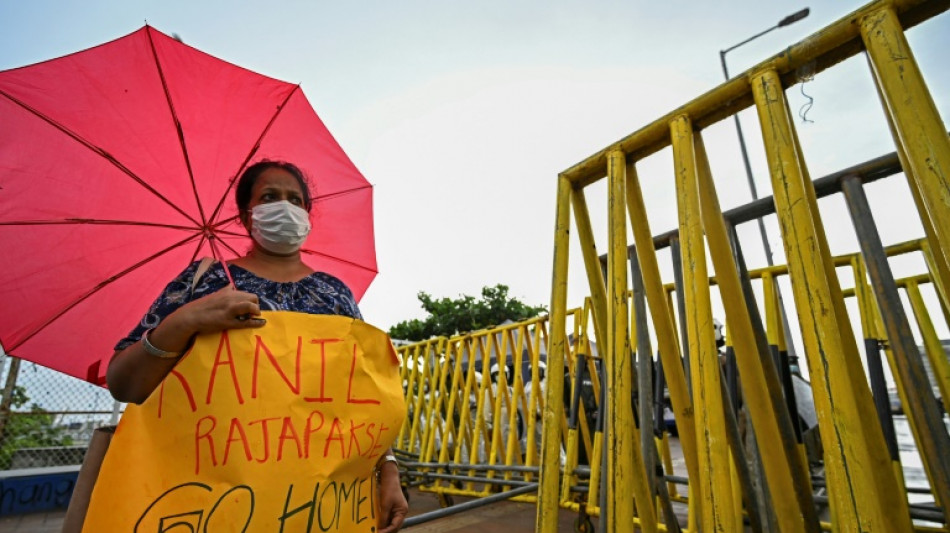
[{"x": 117, "y": 166}]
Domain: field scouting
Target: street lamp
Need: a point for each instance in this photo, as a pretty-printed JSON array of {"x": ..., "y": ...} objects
[{"x": 790, "y": 19}]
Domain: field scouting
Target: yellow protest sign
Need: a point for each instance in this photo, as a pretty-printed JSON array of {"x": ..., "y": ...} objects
[{"x": 270, "y": 429}]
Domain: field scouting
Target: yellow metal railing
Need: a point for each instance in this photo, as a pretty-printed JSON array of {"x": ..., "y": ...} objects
[
  {"x": 473, "y": 423},
  {"x": 564, "y": 400},
  {"x": 863, "y": 491}
]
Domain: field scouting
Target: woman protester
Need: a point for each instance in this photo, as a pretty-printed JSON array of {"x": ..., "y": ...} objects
[{"x": 273, "y": 201}]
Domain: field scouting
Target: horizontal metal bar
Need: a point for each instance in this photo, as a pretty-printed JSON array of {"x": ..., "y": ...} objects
[
  {"x": 868, "y": 171},
  {"x": 404, "y": 453},
  {"x": 476, "y": 467},
  {"x": 36, "y": 413},
  {"x": 933, "y": 514},
  {"x": 467, "y": 506},
  {"x": 679, "y": 480},
  {"x": 473, "y": 479},
  {"x": 820, "y": 483}
]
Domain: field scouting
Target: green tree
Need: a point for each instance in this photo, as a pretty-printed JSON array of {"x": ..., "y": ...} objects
[
  {"x": 449, "y": 316},
  {"x": 33, "y": 430}
]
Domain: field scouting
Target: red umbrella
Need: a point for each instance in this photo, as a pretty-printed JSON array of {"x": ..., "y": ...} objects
[{"x": 116, "y": 167}]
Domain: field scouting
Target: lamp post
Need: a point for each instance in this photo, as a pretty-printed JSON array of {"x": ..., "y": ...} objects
[
  {"x": 783, "y": 365},
  {"x": 790, "y": 19}
]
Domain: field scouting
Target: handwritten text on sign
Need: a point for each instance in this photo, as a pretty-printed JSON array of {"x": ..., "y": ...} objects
[{"x": 270, "y": 429}]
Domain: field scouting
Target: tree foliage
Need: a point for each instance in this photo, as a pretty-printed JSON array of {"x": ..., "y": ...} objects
[
  {"x": 34, "y": 429},
  {"x": 447, "y": 316}
]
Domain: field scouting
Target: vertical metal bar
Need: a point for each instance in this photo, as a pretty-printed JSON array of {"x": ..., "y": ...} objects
[
  {"x": 116, "y": 411},
  {"x": 483, "y": 441},
  {"x": 742, "y": 467},
  {"x": 571, "y": 461},
  {"x": 531, "y": 451},
  {"x": 715, "y": 487},
  {"x": 663, "y": 323},
  {"x": 624, "y": 461},
  {"x": 451, "y": 433},
  {"x": 645, "y": 374},
  {"x": 877, "y": 332},
  {"x": 873, "y": 338},
  {"x": 513, "y": 446},
  {"x": 859, "y": 382},
  {"x": 916, "y": 122},
  {"x": 466, "y": 433},
  {"x": 939, "y": 362},
  {"x": 760, "y": 382},
  {"x": 416, "y": 379},
  {"x": 732, "y": 376},
  {"x": 856, "y": 457},
  {"x": 598, "y": 460},
  {"x": 547, "y": 516},
  {"x": 666, "y": 505},
  {"x": 595, "y": 276},
  {"x": 803, "y": 481},
  {"x": 602, "y": 480},
  {"x": 433, "y": 398},
  {"x": 933, "y": 440},
  {"x": 776, "y": 339},
  {"x": 6, "y": 401},
  {"x": 675, "y": 253},
  {"x": 658, "y": 398},
  {"x": 882, "y": 403},
  {"x": 937, "y": 263},
  {"x": 500, "y": 399}
]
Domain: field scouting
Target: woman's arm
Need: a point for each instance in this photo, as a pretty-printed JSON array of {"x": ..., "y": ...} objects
[
  {"x": 392, "y": 502},
  {"x": 133, "y": 373}
]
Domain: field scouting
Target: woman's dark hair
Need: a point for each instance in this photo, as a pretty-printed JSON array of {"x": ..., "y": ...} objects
[{"x": 242, "y": 193}]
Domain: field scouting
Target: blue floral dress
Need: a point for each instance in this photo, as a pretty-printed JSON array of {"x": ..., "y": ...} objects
[{"x": 318, "y": 294}]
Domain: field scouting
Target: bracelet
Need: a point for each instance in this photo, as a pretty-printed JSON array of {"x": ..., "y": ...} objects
[
  {"x": 388, "y": 458},
  {"x": 156, "y": 352}
]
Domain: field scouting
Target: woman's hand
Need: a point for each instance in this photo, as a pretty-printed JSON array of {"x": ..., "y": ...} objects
[
  {"x": 393, "y": 506},
  {"x": 227, "y": 308},
  {"x": 133, "y": 374}
]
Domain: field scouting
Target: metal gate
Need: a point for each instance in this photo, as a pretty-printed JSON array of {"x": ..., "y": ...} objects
[{"x": 863, "y": 490}]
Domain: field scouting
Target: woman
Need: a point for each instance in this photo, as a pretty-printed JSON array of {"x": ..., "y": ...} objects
[{"x": 273, "y": 203}]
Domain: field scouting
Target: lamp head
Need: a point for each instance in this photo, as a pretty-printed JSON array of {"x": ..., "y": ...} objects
[{"x": 793, "y": 18}]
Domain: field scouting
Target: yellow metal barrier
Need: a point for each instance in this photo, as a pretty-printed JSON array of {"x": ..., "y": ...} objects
[
  {"x": 459, "y": 390},
  {"x": 478, "y": 420},
  {"x": 566, "y": 401},
  {"x": 865, "y": 491}
]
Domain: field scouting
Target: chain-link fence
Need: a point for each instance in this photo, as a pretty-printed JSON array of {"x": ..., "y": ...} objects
[{"x": 46, "y": 417}]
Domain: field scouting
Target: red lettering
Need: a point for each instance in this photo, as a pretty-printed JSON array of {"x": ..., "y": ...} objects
[
  {"x": 369, "y": 433},
  {"x": 225, "y": 345},
  {"x": 349, "y": 390},
  {"x": 336, "y": 433},
  {"x": 295, "y": 386},
  {"x": 184, "y": 386},
  {"x": 236, "y": 425},
  {"x": 310, "y": 430},
  {"x": 372, "y": 453},
  {"x": 206, "y": 435},
  {"x": 263, "y": 422},
  {"x": 323, "y": 369},
  {"x": 353, "y": 439},
  {"x": 287, "y": 432}
]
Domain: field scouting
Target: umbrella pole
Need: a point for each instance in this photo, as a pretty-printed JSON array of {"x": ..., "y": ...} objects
[{"x": 217, "y": 255}]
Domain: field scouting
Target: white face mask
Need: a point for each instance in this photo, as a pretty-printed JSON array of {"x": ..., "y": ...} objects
[{"x": 280, "y": 227}]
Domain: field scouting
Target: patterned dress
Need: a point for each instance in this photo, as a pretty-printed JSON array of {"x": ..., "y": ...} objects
[{"x": 318, "y": 294}]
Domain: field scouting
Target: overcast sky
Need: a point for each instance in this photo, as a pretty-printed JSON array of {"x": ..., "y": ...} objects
[{"x": 462, "y": 113}]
